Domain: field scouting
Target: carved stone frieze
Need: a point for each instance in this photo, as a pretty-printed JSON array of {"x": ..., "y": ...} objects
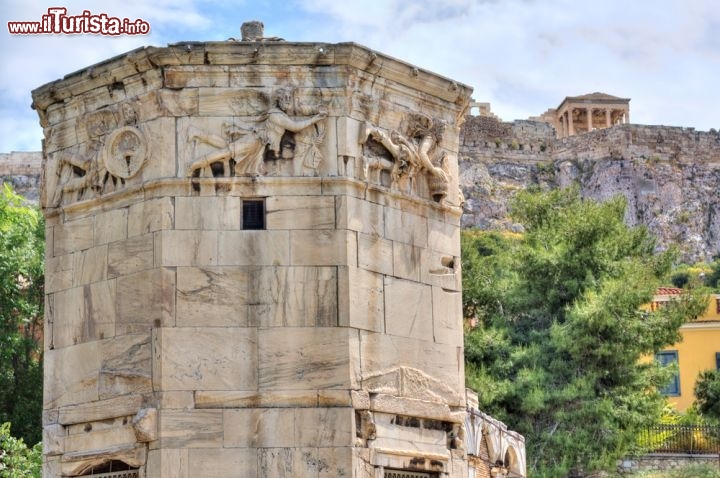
[
  {"x": 400, "y": 159},
  {"x": 114, "y": 151},
  {"x": 409, "y": 382},
  {"x": 277, "y": 134}
]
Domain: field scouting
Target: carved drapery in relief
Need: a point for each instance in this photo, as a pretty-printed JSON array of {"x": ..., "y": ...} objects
[
  {"x": 277, "y": 134},
  {"x": 397, "y": 159}
]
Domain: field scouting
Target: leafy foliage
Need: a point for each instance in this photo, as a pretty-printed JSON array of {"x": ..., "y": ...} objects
[
  {"x": 21, "y": 304},
  {"x": 707, "y": 394},
  {"x": 712, "y": 279},
  {"x": 16, "y": 459},
  {"x": 560, "y": 336}
]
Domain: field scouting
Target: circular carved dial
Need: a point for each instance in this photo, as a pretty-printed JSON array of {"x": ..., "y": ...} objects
[{"x": 125, "y": 152}]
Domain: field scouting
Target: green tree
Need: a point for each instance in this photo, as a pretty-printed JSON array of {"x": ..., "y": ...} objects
[
  {"x": 16, "y": 459},
  {"x": 707, "y": 394},
  {"x": 558, "y": 350},
  {"x": 21, "y": 306},
  {"x": 712, "y": 279}
]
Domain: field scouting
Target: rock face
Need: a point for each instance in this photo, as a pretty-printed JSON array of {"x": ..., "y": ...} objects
[
  {"x": 669, "y": 176},
  {"x": 253, "y": 265},
  {"x": 21, "y": 170}
]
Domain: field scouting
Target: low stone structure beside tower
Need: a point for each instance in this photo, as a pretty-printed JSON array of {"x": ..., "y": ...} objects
[{"x": 253, "y": 265}]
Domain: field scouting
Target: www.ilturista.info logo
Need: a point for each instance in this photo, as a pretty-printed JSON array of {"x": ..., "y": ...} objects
[{"x": 58, "y": 21}]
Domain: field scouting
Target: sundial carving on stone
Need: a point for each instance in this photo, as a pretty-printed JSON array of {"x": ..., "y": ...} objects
[{"x": 125, "y": 152}]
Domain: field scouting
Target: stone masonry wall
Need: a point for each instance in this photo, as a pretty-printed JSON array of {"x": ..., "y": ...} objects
[
  {"x": 664, "y": 462},
  {"x": 253, "y": 264}
]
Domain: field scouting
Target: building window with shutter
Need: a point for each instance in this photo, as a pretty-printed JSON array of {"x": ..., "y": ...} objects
[{"x": 668, "y": 357}]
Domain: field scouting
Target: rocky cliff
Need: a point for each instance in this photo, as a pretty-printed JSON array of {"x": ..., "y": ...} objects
[
  {"x": 22, "y": 172},
  {"x": 669, "y": 176}
]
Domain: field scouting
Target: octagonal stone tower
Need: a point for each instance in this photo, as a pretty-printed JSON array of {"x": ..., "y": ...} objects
[{"x": 253, "y": 265}]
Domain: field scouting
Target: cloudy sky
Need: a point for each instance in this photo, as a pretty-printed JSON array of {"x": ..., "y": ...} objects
[{"x": 522, "y": 56}]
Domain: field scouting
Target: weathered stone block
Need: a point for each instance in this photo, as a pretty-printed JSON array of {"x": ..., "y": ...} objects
[
  {"x": 184, "y": 400},
  {"x": 444, "y": 237},
  {"x": 223, "y": 463},
  {"x": 324, "y": 427},
  {"x": 150, "y": 216},
  {"x": 217, "y": 358},
  {"x": 100, "y": 410},
  {"x": 249, "y": 248},
  {"x": 277, "y": 462},
  {"x": 101, "y": 439},
  {"x": 293, "y": 358},
  {"x": 395, "y": 405},
  {"x": 212, "y": 296},
  {"x": 68, "y": 317},
  {"x": 254, "y": 399},
  {"x": 131, "y": 255},
  {"x": 293, "y": 296},
  {"x": 191, "y": 428},
  {"x": 335, "y": 462},
  {"x": 145, "y": 299},
  {"x": 447, "y": 316},
  {"x": 168, "y": 463},
  {"x": 71, "y": 374},
  {"x": 182, "y": 76},
  {"x": 207, "y": 213},
  {"x": 408, "y": 309},
  {"x": 407, "y": 261},
  {"x": 90, "y": 265},
  {"x": 441, "y": 362},
  {"x": 99, "y": 314},
  {"x": 300, "y": 212},
  {"x": 111, "y": 226},
  {"x": 361, "y": 297},
  {"x": 406, "y": 227},
  {"x": 59, "y": 273},
  {"x": 375, "y": 253},
  {"x": 334, "y": 398},
  {"x": 360, "y": 215},
  {"x": 73, "y": 236},
  {"x": 53, "y": 439},
  {"x": 323, "y": 248},
  {"x": 188, "y": 248},
  {"x": 126, "y": 366},
  {"x": 259, "y": 427},
  {"x": 160, "y": 136}
]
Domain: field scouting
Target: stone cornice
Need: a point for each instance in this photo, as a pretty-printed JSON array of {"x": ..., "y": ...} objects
[{"x": 114, "y": 70}]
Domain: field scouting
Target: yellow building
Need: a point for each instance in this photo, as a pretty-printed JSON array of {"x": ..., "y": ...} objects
[{"x": 698, "y": 350}]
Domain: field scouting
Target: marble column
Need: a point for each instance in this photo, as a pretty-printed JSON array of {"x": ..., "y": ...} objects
[{"x": 589, "y": 119}]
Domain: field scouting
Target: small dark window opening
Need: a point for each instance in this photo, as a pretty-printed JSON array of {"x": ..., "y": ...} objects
[
  {"x": 113, "y": 469},
  {"x": 253, "y": 214},
  {"x": 717, "y": 360}
]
